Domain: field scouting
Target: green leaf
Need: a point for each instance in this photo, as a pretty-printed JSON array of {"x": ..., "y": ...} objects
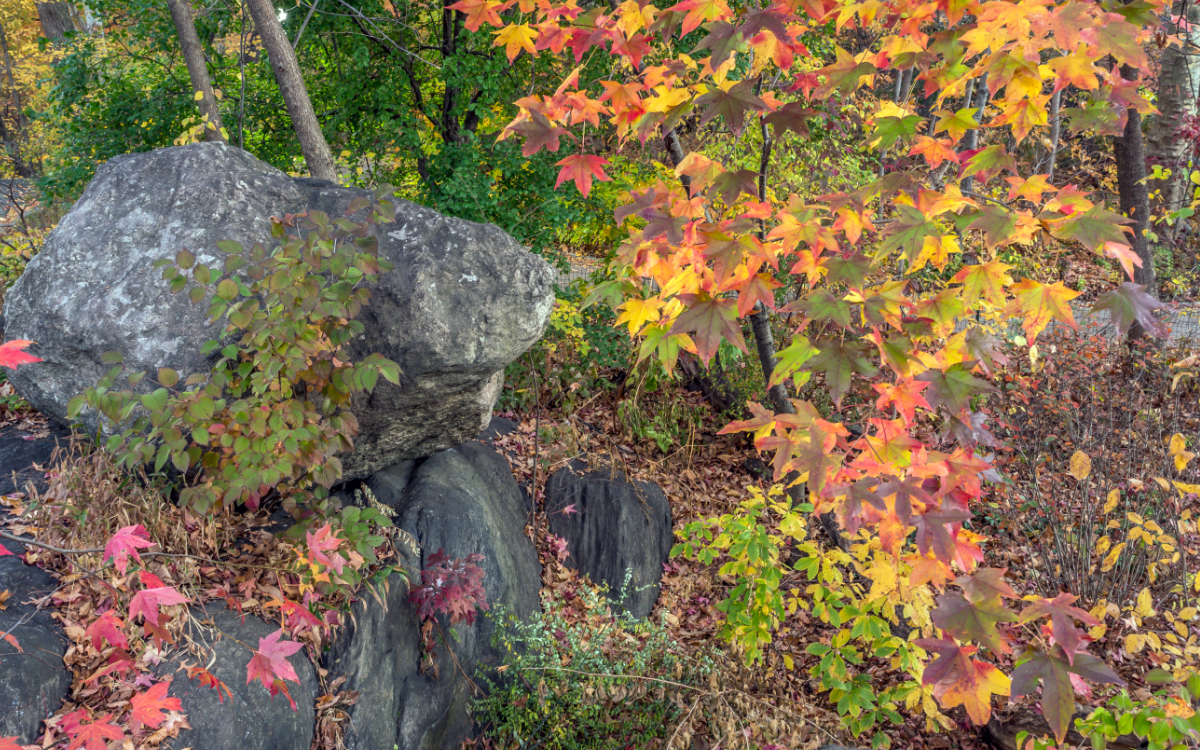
[
  {"x": 1053, "y": 670},
  {"x": 731, "y": 105},
  {"x": 185, "y": 259},
  {"x": 227, "y": 289},
  {"x": 1129, "y": 303},
  {"x": 711, "y": 322},
  {"x": 974, "y": 621},
  {"x": 1093, "y": 228},
  {"x": 953, "y": 387},
  {"x": 112, "y": 358},
  {"x": 840, "y": 360},
  {"x": 229, "y": 247},
  {"x": 156, "y": 401},
  {"x": 76, "y": 404},
  {"x": 167, "y": 377},
  {"x": 196, "y": 295}
]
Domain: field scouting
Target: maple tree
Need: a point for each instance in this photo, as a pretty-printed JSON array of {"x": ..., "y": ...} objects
[{"x": 706, "y": 251}]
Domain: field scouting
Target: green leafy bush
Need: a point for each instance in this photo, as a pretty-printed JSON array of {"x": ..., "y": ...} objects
[
  {"x": 579, "y": 677},
  {"x": 272, "y": 413}
]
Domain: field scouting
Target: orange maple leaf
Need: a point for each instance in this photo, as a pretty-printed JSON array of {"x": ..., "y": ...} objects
[{"x": 582, "y": 168}]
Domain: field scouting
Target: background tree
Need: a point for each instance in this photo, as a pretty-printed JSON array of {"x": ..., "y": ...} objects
[{"x": 193, "y": 57}]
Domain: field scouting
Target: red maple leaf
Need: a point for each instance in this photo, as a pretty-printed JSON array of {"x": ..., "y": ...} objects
[
  {"x": 9, "y": 743},
  {"x": 107, "y": 626},
  {"x": 124, "y": 544},
  {"x": 582, "y": 168},
  {"x": 269, "y": 664},
  {"x": 208, "y": 679},
  {"x": 91, "y": 736},
  {"x": 147, "y": 602},
  {"x": 148, "y": 707},
  {"x": 299, "y": 618},
  {"x": 3, "y": 551},
  {"x": 11, "y": 354},
  {"x": 324, "y": 541}
]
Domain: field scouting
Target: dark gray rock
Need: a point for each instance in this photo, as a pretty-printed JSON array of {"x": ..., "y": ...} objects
[
  {"x": 464, "y": 501},
  {"x": 498, "y": 427},
  {"x": 616, "y": 526},
  {"x": 463, "y": 301},
  {"x": 33, "y": 681},
  {"x": 251, "y": 719},
  {"x": 18, "y": 454}
]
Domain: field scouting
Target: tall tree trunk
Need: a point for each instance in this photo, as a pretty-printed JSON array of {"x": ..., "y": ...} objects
[
  {"x": 58, "y": 19},
  {"x": 12, "y": 141},
  {"x": 1135, "y": 196},
  {"x": 971, "y": 139},
  {"x": 1055, "y": 134},
  {"x": 291, "y": 84},
  {"x": 193, "y": 55},
  {"x": 1178, "y": 91}
]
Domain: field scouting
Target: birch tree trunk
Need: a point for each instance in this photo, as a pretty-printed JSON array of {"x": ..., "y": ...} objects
[
  {"x": 193, "y": 55},
  {"x": 1178, "y": 91},
  {"x": 295, "y": 96}
]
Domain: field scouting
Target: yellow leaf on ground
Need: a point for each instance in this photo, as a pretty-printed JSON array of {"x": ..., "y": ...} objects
[
  {"x": 1145, "y": 604},
  {"x": 1110, "y": 503}
]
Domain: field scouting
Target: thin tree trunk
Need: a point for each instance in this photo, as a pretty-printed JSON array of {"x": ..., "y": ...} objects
[
  {"x": 291, "y": 84},
  {"x": 971, "y": 139},
  {"x": 193, "y": 55},
  {"x": 1055, "y": 134},
  {"x": 1135, "y": 196},
  {"x": 1178, "y": 91}
]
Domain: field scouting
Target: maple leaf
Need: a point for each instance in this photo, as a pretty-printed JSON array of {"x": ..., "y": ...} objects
[
  {"x": 1093, "y": 228},
  {"x": 4, "y": 551},
  {"x": 966, "y": 428},
  {"x": 1054, "y": 670},
  {"x": 905, "y": 395},
  {"x": 935, "y": 150},
  {"x": 147, "y": 601},
  {"x": 125, "y": 544},
  {"x": 322, "y": 541},
  {"x": 582, "y": 168},
  {"x": 12, "y": 354},
  {"x": 208, "y": 679},
  {"x": 986, "y": 282},
  {"x": 954, "y": 387},
  {"x": 92, "y": 736},
  {"x": 1040, "y": 303},
  {"x": 1129, "y": 303},
  {"x": 933, "y": 532},
  {"x": 731, "y": 104},
  {"x": 723, "y": 39},
  {"x": 479, "y": 12},
  {"x": 984, "y": 348},
  {"x": 107, "y": 626},
  {"x": 792, "y": 116},
  {"x": 299, "y": 617},
  {"x": 959, "y": 680},
  {"x": 813, "y": 456},
  {"x": 1062, "y": 620},
  {"x": 148, "y": 707},
  {"x": 840, "y": 360},
  {"x": 710, "y": 321},
  {"x": 516, "y": 37},
  {"x": 269, "y": 663},
  {"x": 956, "y": 123},
  {"x": 974, "y": 620},
  {"x": 9, "y": 743},
  {"x": 1123, "y": 254},
  {"x": 539, "y": 133},
  {"x": 987, "y": 162},
  {"x": 845, "y": 75}
]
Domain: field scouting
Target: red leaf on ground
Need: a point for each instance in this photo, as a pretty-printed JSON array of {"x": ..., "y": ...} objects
[
  {"x": 208, "y": 679},
  {"x": 124, "y": 544},
  {"x": 3, "y": 551},
  {"x": 147, "y": 602},
  {"x": 270, "y": 661},
  {"x": 148, "y": 707},
  {"x": 91, "y": 736},
  {"x": 9, "y": 743},
  {"x": 107, "y": 626}
]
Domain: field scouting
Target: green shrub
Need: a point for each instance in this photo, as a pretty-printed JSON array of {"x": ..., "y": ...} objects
[{"x": 578, "y": 677}]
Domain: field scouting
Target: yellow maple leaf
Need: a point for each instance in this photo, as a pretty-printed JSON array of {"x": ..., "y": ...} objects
[
  {"x": 516, "y": 37},
  {"x": 1081, "y": 465},
  {"x": 1110, "y": 503}
]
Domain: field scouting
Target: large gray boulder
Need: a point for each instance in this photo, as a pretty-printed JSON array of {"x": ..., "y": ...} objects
[
  {"x": 463, "y": 301},
  {"x": 33, "y": 679},
  {"x": 250, "y": 718},
  {"x": 464, "y": 501},
  {"x": 613, "y": 528}
]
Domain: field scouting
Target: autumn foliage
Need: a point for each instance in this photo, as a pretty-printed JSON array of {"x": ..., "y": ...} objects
[{"x": 707, "y": 249}]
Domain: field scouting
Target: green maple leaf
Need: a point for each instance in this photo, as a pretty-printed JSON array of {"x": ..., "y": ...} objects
[
  {"x": 809, "y": 456},
  {"x": 792, "y": 116},
  {"x": 985, "y": 348},
  {"x": 907, "y": 234},
  {"x": 953, "y": 387},
  {"x": 843, "y": 75},
  {"x": 663, "y": 344},
  {"x": 731, "y": 185},
  {"x": 1054, "y": 671},
  {"x": 996, "y": 224},
  {"x": 731, "y": 105},
  {"x": 985, "y": 584},
  {"x": 990, "y": 161},
  {"x": 1096, "y": 114},
  {"x": 974, "y": 621},
  {"x": 791, "y": 359},
  {"x": 710, "y": 321},
  {"x": 840, "y": 360},
  {"x": 888, "y": 130},
  {"x": 823, "y": 305},
  {"x": 956, "y": 124},
  {"x": 1093, "y": 228},
  {"x": 1128, "y": 303},
  {"x": 723, "y": 39},
  {"x": 850, "y": 271}
]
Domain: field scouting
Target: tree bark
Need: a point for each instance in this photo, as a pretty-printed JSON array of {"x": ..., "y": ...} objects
[
  {"x": 1055, "y": 134},
  {"x": 193, "y": 55},
  {"x": 1178, "y": 91},
  {"x": 1134, "y": 196},
  {"x": 58, "y": 19},
  {"x": 12, "y": 141},
  {"x": 295, "y": 96}
]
